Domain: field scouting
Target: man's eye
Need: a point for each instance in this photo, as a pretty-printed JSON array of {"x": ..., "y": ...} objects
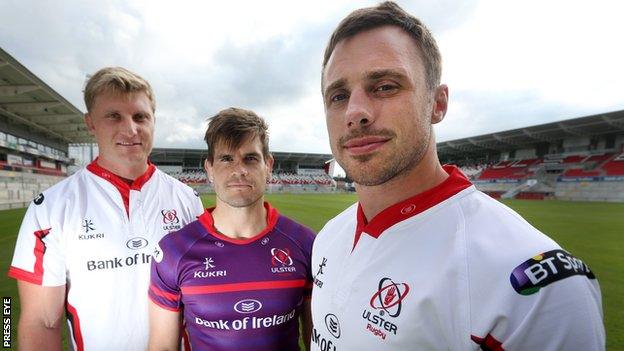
[
  {"x": 386, "y": 87},
  {"x": 338, "y": 97}
]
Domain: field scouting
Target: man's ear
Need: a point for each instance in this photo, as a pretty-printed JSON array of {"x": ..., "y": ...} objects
[
  {"x": 89, "y": 122},
  {"x": 208, "y": 168},
  {"x": 440, "y": 104},
  {"x": 269, "y": 165}
]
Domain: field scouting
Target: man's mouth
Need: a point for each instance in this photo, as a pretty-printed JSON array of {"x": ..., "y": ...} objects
[
  {"x": 364, "y": 145},
  {"x": 238, "y": 184},
  {"x": 128, "y": 143}
]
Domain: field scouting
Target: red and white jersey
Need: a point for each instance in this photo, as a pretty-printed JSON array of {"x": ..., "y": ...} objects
[
  {"x": 96, "y": 233},
  {"x": 449, "y": 269}
]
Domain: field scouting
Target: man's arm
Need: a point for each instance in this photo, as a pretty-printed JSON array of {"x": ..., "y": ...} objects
[
  {"x": 39, "y": 326},
  {"x": 164, "y": 328},
  {"x": 306, "y": 323}
]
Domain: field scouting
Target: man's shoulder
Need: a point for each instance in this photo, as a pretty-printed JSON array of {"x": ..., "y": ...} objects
[
  {"x": 64, "y": 189},
  {"x": 486, "y": 219},
  {"x": 498, "y": 239},
  {"x": 294, "y": 232},
  {"x": 289, "y": 225},
  {"x": 171, "y": 181},
  {"x": 183, "y": 239},
  {"x": 173, "y": 247},
  {"x": 175, "y": 189}
]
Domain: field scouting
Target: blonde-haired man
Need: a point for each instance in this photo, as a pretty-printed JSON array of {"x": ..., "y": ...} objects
[{"x": 85, "y": 244}]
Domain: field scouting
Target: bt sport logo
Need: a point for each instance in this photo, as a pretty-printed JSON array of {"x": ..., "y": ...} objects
[{"x": 546, "y": 268}]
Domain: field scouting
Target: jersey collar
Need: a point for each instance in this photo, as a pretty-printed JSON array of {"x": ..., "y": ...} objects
[
  {"x": 412, "y": 206},
  {"x": 207, "y": 221},
  {"x": 123, "y": 187}
]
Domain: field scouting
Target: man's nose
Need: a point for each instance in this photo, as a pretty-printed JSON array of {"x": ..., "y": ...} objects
[
  {"x": 129, "y": 127},
  {"x": 359, "y": 109}
]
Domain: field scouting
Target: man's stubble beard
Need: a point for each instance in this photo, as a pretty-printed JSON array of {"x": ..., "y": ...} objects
[
  {"x": 393, "y": 166},
  {"x": 241, "y": 202}
]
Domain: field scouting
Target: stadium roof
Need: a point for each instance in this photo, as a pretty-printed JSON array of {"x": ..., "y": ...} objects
[
  {"x": 160, "y": 155},
  {"x": 596, "y": 125},
  {"x": 303, "y": 158},
  {"x": 27, "y": 100}
]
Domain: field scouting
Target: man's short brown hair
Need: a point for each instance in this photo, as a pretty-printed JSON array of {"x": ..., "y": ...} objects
[
  {"x": 116, "y": 80},
  {"x": 389, "y": 13},
  {"x": 232, "y": 127}
]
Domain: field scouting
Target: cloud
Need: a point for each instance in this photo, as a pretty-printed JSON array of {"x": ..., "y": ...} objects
[{"x": 513, "y": 65}]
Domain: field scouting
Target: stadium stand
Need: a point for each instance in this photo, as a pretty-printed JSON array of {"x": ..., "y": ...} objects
[
  {"x": 36, "y": 127},
  {"x": 579, "y": 159},
  {"x": 278, "y": 182},
  {"x": 17, "y": 189}
]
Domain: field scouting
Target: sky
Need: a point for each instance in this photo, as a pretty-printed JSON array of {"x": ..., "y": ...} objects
[{"x": 508, "y": 64}]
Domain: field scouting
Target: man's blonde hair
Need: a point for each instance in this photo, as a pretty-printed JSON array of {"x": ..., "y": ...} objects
[{"x": 116, "y": 80}]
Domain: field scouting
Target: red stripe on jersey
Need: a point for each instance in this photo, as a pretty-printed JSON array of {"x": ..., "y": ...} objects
[
  {"x": 40, "y": 249},
  {"x": 207, "y": 221},
  {"x": 165, "y": 307},
  {"x": 75, "y": 323},
  {"x": 412, "y": 206},
  {"x": 35, "y": 277},
  {"x": 489, "y": 343},
  {"x": 223, "y": 288},
  {"x": 123, "y": 187},
  {"x": 166, "y": 295},
  {"x": 26, "y": 276}
]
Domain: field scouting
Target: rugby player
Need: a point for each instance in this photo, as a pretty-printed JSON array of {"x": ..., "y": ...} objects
[
  {"x": 85, "y": 244},
  {"x": 240, "y": 275},
  {"x": 424, "y": 261}
]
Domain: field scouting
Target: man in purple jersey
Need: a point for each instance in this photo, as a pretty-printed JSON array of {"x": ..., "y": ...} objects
[{"x": 239, "y": 275}]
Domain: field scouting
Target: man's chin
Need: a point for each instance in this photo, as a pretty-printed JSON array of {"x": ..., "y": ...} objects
[
  {"x": 132, "y": 157},
  {"x": 241, "y": 201},
  {"x": 370, "y": 174}
]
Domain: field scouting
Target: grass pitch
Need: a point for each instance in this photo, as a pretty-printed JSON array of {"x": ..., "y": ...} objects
[{"x": 593, "y": 232}]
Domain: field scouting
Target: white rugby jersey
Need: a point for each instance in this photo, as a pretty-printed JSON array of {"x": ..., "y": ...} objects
[
  {"x": 96, "y": 233},
  {"x": 449, "y": 269}
]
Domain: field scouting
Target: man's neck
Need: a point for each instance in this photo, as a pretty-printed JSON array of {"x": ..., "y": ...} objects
[
  {"x": 240, "y": 222},
  {"x": 131, "y": 172},
  {"x": 425, "y": 175}
]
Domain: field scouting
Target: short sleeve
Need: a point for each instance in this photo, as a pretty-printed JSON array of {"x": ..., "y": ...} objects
[
  {"x": 164, "y": 289},
  {"x": 38, "y": 257},
  {"x": 557, "y": 307}
]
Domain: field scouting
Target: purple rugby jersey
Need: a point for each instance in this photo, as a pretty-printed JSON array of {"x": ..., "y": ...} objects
[{"x": 236, "y": 294}]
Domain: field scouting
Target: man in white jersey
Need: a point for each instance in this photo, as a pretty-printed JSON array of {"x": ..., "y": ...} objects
[
  {"x": 85, "y": 244},
  {"x": 424, "y": 261}
]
